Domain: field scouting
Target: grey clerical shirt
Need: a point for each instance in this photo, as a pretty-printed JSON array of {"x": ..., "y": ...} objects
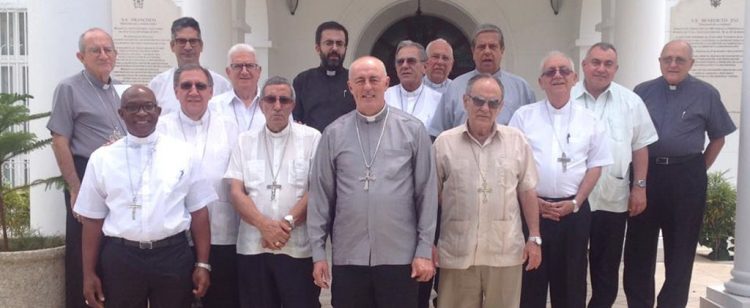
[{"x": 394, "y": 221}]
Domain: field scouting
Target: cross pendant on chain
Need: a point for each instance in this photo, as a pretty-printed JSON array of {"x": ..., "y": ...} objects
[
  {"x": 484, "y": 190},
  {"x": 134, "y": 207},
  {"x": 367, "y": 178},
  {"x": 564, "y": 160},
  {"x": 273, "y": 187}
]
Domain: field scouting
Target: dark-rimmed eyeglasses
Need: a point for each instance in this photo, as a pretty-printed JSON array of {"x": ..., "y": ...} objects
[
  {"x": 676, "y": 60},
  {"x": 479, "y": 101},
  {"x": 564, "y": 71},
  {"x": 189, "y": 85},
  {"x": 137, "y": 108},
  {"x": 270, "y": 99},
  {"x": 409, "y": 61},
  {"x": 237, "y": 67},
  {"x": 192, "y": 41}
]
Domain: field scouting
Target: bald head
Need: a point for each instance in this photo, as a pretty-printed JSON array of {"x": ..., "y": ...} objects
[
  {"x": 676, "y": 60},
  {"x": 368, "y": 82},
  {"x": 139, "y": 110}
]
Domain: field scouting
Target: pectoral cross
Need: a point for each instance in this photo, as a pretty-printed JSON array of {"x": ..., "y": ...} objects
[
  {"x": 273, "y": 187},
  {"x": 564, "y": 160},
  {"x": 134, "y": 207},
  {"x": 484, "y": 189},
  {"x": 367, "y": 178}
]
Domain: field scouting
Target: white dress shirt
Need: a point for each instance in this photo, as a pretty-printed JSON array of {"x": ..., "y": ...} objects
[
  {"x": 550, "y": 132},
  {"x": 249, "y": 164},
  {"x": 165, "y": 182},
  {"x": 420, "y": 103},
  {"x": 163, "y": 87},
  {"x": 629, "y": 128},
  {"x": 214, "y": 158}
]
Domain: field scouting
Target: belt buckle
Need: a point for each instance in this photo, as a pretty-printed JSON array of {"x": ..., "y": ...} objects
[
  {"x": 146, "y": 245},
  {"x": 662, "y": 160}
]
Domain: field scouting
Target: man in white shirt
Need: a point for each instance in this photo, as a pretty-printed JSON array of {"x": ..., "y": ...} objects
[
  {"x": 570, "y": 147},
  {"x": 439, "y": 65},
  {"x": 411, "y": 95},
  {"x": 268, "y": 174},
  {"x": 187, "y": 45},
  {"x": 212, "y": 138},
  {"x": 241, "y": 104},
  {"x": 142, "y": 193},
  {"x": 630, "y": 131}
]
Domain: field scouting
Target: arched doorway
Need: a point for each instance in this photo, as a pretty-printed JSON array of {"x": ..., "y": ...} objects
[{"x": 423, "y": 29}]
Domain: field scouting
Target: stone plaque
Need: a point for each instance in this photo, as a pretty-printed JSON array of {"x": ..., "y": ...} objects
[
  {"x": 141, "y": 31},
  {"x": 715, "y": 29}
]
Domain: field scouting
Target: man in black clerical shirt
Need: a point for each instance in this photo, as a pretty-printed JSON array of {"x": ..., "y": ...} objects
[{"x": 322, "y": 94}]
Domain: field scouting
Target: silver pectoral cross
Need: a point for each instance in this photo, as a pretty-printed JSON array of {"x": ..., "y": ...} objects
[
  {"x": 273, "y": 187},
  {"x": 564, "y": 160},
  {"x": 484, "y": 189},
  {"x": 134, "y": 207},
  {"x": 367, "y": 178}
]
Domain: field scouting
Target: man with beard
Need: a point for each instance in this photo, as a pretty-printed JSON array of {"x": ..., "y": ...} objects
[
  {"x": 187, "y": 45},
  {"x": 439, "y": 65},
  {"x": 322, "y": 94}
]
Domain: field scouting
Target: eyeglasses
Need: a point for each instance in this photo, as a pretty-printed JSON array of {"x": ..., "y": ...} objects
[
  {"x": 270, "y": 99},
  {"x": 330, "y": 43},
  {"x": 676, "y": 60},
  {"x": 237, "y": 67},
  {"x": 564, "y": 71},
  {"x": 97, "y": 50},
  {"x": 189, "y": 85},
  {"x": 479, "y": 101},
  {"x": 409, "y": 61},
  {"x": 192, "y": 41},
  {"x": 437, "y": 57},
  {"x": 137, "y": 108}
]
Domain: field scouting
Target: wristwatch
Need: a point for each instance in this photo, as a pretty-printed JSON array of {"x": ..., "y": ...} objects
[
  {"x": 575, "y": 205},
  {"x": 641, "y": 183},
  {"x": 203, "y": 265},
  {"x": 290, "y": 220},
  {"x": 536, "y": 240}
]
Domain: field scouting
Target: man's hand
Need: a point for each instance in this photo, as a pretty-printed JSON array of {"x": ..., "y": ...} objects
[
  {"x": 561, "y": 209},
  {"x": 547, "y": 211},
  {"x": 321, "y": 275},
  {"x": 201, "y": 281},
  {"x": 73, "y": 198},
  {"x": 275, "y": 233},
  {"x": 435, "y": 257},
  {"x": 637, "y": 201},
  {"x": 422, "y": 269},
  {"x": 92, "y": 291},
  {"x": 533, "y": 254}
]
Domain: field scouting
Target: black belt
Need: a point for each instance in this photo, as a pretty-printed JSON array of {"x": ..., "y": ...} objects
[
  {"x": 557, "y": 199},
  {"x": 674, "y": 160},
  {"x": 178, "y": 238}
]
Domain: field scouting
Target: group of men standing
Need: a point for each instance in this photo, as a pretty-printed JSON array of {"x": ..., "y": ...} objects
[{"x": 198, "y": 188}]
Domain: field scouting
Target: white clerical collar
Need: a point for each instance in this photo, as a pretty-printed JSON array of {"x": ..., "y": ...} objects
[
  {"x": 374, "y": 117},
  {"x": 186, "y": 119},
  {"x": 428, "y": 82},
  {"x": 673, "y": 87},
  {"x": 330, "y": 73},
  {"x": 554, "y": 110},
  {"x": 96, "y": 82},
  {"x": 406, "y": 93},
  {"x": 285, "y": 131},
  {"x": 134, "y": 140}
]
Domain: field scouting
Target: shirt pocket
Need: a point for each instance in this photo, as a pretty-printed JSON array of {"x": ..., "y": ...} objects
[
  {"x": 299, "y": 170},
  {"x": 616, "y": 129},
  {"x": 460, "y": 193},
  {"x": 255, "y": 176}
]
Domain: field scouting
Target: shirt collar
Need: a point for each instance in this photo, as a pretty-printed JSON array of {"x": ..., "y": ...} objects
[
  {"x": 406, "y": 93},
  {"x": 493, "y": 135},
  {"x": 96, "y": 82},
  {"x": 377, "y": 117},
  {"x": 187, "y": 120},
  {"x": 280, "y": 134},
  {"x": 138, "y": 141},
  {"x": 564, "y": 110},
  {"x": 237, "y": 100},
  {"x": 433, "y": 85},
  {"x": 580, "y": 90}
]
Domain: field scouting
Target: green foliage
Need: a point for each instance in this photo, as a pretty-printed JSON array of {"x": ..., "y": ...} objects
[
  {"x": 17, "y": 212},
  {"x": 33, "y": 240},
  {"x": 718, "y": 222}
]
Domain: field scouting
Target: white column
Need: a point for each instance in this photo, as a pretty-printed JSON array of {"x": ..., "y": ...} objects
[
  {"x": 256, "y": 17},
  {"x": 54, "y": 28},
  {"x": 215, "y": 18},
  {"x": 591, "y": 16},
  {"x": 736, "y": 291},
  {"x": 639, "y": 34}
]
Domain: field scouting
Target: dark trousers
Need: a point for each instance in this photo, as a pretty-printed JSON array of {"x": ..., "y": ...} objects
[
  {"x": 605, "y": 252},
  {"x": 223, "y": 290},
  {"x": 563, "y": 268},
  {"x": 134, "y": 277},
  {"x": 382, "y": 286},
  {"x": 676, "y": 203},
  {"x": 276, "y": 280},
  {"x": 425, "y": 288},
  {"x": 73, "y": 246}
]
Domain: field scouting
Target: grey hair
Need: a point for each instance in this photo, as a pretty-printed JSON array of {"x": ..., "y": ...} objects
[
  {"x": 488, "y": 28},
  {"x": 191, "y": 67},
  {"x": 481, "y": 76},
  {"x": 278, "y": 80},
  {"x": 440, "y": 40},
  {"x": 237, "y": 48},
  {"x": 408, "y": 43},
  {"x": 556, "y": 53},
  {"x": 82, "y": 38}
]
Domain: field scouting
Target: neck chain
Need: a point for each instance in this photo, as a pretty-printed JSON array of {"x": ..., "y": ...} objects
[
  {"x": 184, "y": 136},
  {"x": 116, "y": 126},
  {"x": 604, "y": 108},
  {"x": 133, "y": 192},
  {"x": 270, "y": 159},
  {"x": 401, "y": 99},
  {"x": 563, "y": 159},
  {"x": 368, "y": 166},
  {"x": 483, "y": 189},
  {"x": 252, "y": 117}
]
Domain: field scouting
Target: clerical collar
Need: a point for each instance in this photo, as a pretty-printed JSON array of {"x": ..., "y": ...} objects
[
  {"x": 378, "y": 116},
  {"x": 554, "y": 110},
  {"x": 433, "y": 85},
  {"x": 406, "y": 93},
  {"x": 186, "y": 119},
  {"x": 672, "y": 87},
  {"x": 96, "y": 82},
  {"x": 150, "y": 139},
  {"x": 285, "y": 131}
]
